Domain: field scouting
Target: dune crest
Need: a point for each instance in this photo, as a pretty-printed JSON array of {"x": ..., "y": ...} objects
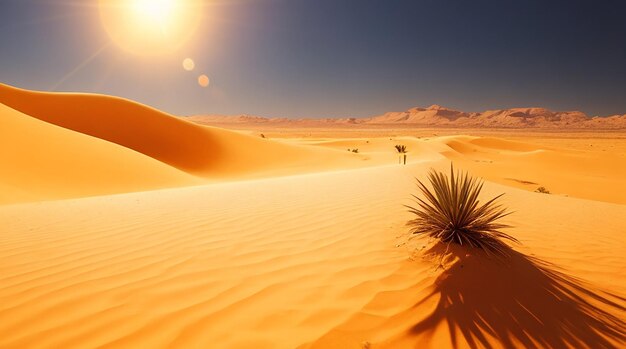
[
  {"x": 129, "y": 124},
  {"x": 204, "y": 151},
  {"x": 187, "y": 152},
  {"x": 41, "y": 161}
]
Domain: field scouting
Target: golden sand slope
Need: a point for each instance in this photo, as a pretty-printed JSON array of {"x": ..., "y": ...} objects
[
  {"x": 596, "y": 175},
  {"x": 216, "y": 154},
  {"x": 589, "y": 175},
  {"x": 192, "y": 148},
  {"x": 317, "y": 259},
  {"x": 71, "y": 145},
  {"x": 120, "y": 121},
  {"x": 41, "y": 161}
]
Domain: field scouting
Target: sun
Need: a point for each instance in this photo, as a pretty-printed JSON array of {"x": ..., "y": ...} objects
[
  {"x": 157, "y": 11},
  {"x": 150, "y": 27}
]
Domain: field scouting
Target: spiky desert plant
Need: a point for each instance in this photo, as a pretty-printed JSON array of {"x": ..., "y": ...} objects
[
  {"x": 452, "y": 213},
  {"x": 542, "y": 190},
  {"x": 401, "y": 149}
]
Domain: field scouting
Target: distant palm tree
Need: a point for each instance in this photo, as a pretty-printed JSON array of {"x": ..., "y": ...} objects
[{"x": 401, "y": 152}]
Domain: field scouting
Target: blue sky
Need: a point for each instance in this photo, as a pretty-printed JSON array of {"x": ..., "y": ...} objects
[{"x": 334, "y": 58}]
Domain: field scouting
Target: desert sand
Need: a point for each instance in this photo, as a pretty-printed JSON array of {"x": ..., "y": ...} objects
[{"x": 126, "y": 227}]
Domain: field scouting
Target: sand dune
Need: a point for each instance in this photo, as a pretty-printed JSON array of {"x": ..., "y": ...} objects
[
  {"x": 318, "y": 257},
  {"x": 40, "y": 161},
  {"x": 574, "y": 173},
  {"x": 195, "y": 149},
  {"x": 120, "y": 121},
  {"x": 203, "y": 152},
  {"x": 309, "y": 251},
  {"x": 583, "y": 174}
]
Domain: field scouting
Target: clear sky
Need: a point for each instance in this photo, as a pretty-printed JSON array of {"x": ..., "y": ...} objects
[{"x": 332, "y": 58}]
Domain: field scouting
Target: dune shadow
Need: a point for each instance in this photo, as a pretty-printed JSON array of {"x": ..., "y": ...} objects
[{"x": 520, "y": 301}]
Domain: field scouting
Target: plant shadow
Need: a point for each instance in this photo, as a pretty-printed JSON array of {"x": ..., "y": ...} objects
[{"x": 520, "y": 301}]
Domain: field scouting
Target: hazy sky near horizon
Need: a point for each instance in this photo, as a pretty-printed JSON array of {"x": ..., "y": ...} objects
[{"x": 333, "y": 58}]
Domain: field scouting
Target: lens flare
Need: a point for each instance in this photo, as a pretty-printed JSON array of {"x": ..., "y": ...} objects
[
  {"x": 188, "y": 64},
  {"x": 203, "y": 80}
]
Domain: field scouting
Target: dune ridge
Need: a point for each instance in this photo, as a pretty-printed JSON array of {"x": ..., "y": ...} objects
[
  {"x": 196, "y": 153},
  {"x": 41, "y": 161},
  {"x": 594, "y": 175},
  {"x": 195, "y": 149},
  {"x": 213, "y": 154},
  {"x": 120, "y": 121}
]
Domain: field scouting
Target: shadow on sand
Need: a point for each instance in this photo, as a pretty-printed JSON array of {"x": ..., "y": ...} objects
[{"x": 521, "y": 301}]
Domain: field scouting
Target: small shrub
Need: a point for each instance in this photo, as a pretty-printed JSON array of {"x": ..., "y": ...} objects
[
  {"x": 452, "y": 213},
  {"x": 401, "y": 149},
  {"x": 542, "y": 190}
]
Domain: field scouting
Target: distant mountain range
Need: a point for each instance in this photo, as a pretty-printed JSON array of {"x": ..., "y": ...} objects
[{"x": 436, "y": 115}]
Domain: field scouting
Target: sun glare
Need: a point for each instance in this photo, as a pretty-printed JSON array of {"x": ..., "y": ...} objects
[
  {"x": 157, "y": 11},
  {"x": 150, "y": 27}
]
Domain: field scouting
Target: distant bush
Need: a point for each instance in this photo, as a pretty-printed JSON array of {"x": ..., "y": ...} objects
[
  {"x": 542, "y": 190},
  {"x": 401, "y": 149}
]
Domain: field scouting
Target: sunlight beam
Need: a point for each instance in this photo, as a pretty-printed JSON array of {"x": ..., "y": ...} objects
[{"x": 79, "y": 66}]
